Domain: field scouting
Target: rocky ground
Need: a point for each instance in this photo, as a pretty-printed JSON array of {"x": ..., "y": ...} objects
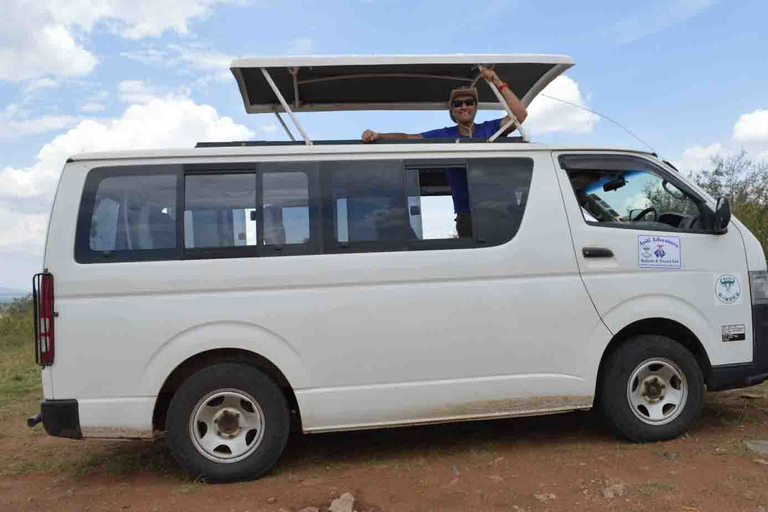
[{"x": 566, "y": 462}]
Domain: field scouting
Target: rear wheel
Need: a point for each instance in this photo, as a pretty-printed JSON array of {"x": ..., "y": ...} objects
[
  {"x": 652, "y": 388},
  {"x": 228, "y": 422}
]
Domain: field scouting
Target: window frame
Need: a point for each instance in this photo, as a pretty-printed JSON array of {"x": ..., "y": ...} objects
[
  {"x": 442, "y": 243},
  {"x": 321, "y": 204},
  {"x": 197, "y": 253},
  {"x": 311, "y": 170},
  {"x": 579, "y": 161},
  {"x": 83, "y": 252}
]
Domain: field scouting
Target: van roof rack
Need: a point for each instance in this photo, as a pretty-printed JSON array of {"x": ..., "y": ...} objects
[
  {"x": 349, "y": 142},
  {"x": 386, "y": 82}
]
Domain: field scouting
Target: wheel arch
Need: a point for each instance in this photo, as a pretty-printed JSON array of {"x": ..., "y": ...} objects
[
  {"x": 662, "y": 327},
  {"x": 215, "y": 356}
]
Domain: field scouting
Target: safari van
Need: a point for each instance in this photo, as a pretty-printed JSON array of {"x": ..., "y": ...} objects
[{"x": 226, "y": 294}]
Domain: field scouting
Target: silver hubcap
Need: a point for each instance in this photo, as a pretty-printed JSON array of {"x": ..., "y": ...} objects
[
  {"x": 226, "y": 425},
  {"x": 657, "y": 391}
]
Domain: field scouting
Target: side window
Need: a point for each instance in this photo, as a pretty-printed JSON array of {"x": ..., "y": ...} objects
[
  {"x": 286, "y": 208},
  {"x": 127, "y": 214},
  {"x": 394, "y": 206},
  {"x": 438, "y": 202},
  {"x": 630, "y": 192},
  {"x": 498, "y": 196},
  {"x": 368, "y": 204},
  {"x": 219, "y": 210}
]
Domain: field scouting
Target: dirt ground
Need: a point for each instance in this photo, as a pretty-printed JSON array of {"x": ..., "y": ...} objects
[{"x": 566, "y": 462}]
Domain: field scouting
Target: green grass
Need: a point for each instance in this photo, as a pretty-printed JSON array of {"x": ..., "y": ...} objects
[
  {"x": 650, "y": 488},
  {"x": 20, "y": 384}
]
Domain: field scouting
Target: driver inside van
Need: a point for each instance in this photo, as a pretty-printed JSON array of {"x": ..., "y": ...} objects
[{"x": 462, "y": 107}]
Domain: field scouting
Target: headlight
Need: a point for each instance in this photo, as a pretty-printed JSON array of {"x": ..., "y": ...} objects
[{"x": 759, "y": 282}]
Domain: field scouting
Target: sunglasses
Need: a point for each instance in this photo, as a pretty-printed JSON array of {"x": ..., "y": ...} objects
[{"x": 468, "y": 102}]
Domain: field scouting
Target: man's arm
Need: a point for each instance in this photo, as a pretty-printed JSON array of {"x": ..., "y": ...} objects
[
  {"x": 371, "y": 136},
  {"x": 514, "y": 104}
]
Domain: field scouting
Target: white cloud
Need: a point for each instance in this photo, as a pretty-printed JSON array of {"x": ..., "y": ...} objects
[
  {"x": 135, "y": 91},
  {"x": 656, "y": 16},
  {"x": 45, "y": 37},
  {"x": 31, "y": 89},
  {"x": 751, "y": 132},
  {"x": 697, "y": 158},
  {"x": 546, "y": 115},
  {"x": 636, "y": 202},
  {"x": 269, "y": 128},
  {"x": 93, "y": 107},
  {"x": 195, "y": 58},
  {"x": 34, "y": 44},
  {"x": 14, "y": 123},
  {"x": 173, "y": 121}
]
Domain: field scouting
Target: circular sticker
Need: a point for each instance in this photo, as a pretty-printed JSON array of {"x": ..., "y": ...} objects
[{"x": 728, "y": 289}]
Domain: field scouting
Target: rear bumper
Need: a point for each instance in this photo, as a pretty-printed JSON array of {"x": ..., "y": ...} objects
[
  {"x": 61, "y": 418},
  {"x": 734, "y": 376}
]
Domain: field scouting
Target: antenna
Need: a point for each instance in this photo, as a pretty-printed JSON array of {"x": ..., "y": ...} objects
[{"x": 604, "y": 117}]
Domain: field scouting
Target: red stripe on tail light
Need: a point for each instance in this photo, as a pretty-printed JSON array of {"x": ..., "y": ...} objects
[{"x": 45, "y": 339}]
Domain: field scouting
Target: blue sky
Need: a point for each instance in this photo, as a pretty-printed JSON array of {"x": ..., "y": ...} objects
[{"x": 687, "y": 76}]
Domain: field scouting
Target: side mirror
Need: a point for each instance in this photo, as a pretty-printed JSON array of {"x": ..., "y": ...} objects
[{"x": 722, "y": 215}]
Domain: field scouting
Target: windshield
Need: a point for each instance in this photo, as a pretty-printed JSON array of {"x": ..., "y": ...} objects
[{"x": 625, "y": 194}]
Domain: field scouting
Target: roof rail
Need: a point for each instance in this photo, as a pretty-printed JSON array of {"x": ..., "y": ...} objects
[{"x": 353, "y": 142}]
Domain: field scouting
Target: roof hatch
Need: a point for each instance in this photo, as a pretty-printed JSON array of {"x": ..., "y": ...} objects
[{"x": 385, "y": 82}]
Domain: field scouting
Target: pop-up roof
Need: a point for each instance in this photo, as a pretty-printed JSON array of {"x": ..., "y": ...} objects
[{"x": 385, "y": 82}]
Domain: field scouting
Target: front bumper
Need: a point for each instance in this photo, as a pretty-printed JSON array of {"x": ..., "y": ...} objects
[
  {"x": 61, "y": 418},
  {"x": 734, "y": 376}
]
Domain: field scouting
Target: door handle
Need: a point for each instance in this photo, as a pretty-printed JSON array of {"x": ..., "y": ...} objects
[{"x": 597, "y": 252}]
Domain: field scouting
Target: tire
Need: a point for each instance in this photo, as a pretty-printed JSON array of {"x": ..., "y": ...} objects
[
  {"x": 651, "y": 389},
  {"x": 228, "y": 422}
]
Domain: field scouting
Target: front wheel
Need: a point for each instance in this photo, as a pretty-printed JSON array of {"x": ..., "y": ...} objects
[
  {"x": 228, "y": 422},
  {"x": 652, "y": 388}
]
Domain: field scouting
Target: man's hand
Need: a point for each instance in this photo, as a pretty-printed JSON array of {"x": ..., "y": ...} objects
[
  {"x": 370, "y": 136},
  {"x": 490, "y": 75}
]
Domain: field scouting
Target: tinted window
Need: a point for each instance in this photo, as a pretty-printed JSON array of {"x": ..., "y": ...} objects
[
  {"x": 126, "y": 216},
  {"x": 368, "y": 200},
  {"x": 286, "y": 208},
  {"x": 379, "y": 206},
  {"x": 498, "y": 195},
  {"x": 219, "y": 210}
]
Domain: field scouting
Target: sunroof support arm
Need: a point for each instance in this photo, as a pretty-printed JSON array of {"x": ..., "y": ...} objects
[
  {"x": 285, "y": 127},
  {"x": 285, "y": 106},
  {"x": 512, "y": 119}
]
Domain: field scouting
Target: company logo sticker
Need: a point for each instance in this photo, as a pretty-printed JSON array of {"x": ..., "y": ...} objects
[
  {"x": 659, "y": 252},
  {"x": 728, "y": 289}
]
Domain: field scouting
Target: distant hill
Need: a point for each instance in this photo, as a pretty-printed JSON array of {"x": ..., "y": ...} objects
[{"x": 8, "y": 294}]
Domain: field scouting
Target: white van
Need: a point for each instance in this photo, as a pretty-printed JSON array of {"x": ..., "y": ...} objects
[{"x": 227, "y": 293}]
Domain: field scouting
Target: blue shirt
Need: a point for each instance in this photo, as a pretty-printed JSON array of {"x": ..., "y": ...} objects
[
  {"x": 457, "y": 178},
  {"x": 483, "y": 130}
]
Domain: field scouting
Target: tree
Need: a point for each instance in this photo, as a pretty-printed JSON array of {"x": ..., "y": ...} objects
[{"x": 745, "y": 183}]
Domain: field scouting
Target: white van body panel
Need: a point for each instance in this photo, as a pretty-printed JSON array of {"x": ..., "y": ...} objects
[
  {"x": 363, "y": 328},
  {"x": 755, "y": 254},
  {"x": 119, "y": 417},
  {"x": 624, "y": 293}
]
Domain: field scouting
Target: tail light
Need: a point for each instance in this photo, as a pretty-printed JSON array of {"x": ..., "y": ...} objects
[{"x": 44, "y": 315}]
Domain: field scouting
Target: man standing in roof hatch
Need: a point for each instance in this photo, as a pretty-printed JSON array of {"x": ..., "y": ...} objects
[{"x": 462, "y": 108}]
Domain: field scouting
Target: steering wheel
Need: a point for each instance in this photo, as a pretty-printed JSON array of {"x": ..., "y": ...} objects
[{"x": 645, "y": 212}]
